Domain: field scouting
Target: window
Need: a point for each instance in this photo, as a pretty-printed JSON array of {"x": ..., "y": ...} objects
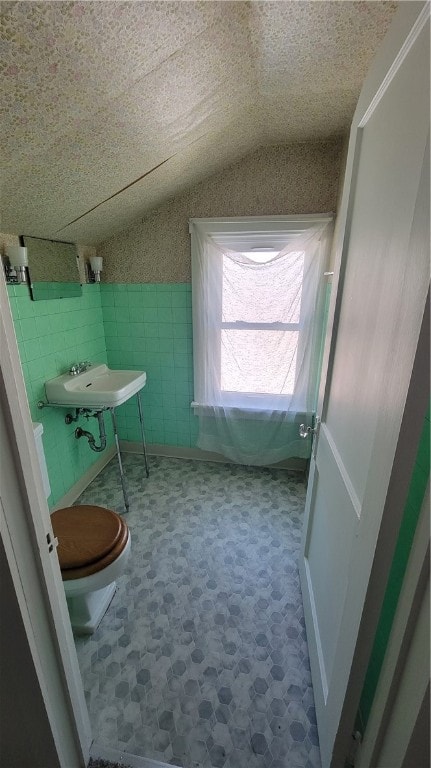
[{"x": 250, "y": 318}]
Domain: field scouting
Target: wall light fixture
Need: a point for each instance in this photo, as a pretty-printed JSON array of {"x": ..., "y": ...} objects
[
  {"x": 18, "y": 261},
  {"x": 96, "y": 265}
]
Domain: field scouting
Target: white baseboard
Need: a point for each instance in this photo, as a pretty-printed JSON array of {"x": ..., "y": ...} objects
[
  {"x": 181, "y": 452},
  {"x": 85, "y": 480}
]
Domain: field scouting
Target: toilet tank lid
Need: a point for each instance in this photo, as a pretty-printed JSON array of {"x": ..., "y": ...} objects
[{"x": 37, "y": 428}]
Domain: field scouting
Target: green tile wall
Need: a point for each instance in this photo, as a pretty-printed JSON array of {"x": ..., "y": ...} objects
[
  {"x": 142, "y": 326},
  {"x": 149, "y": 327},
  {"x": 52, "y": 334},
  {"x": 418, "y": 484}
]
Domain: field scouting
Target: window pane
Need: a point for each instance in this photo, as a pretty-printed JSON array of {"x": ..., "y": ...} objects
[
  {"x": 258, "y": 361},
  {"x": 263, "y": 293}
]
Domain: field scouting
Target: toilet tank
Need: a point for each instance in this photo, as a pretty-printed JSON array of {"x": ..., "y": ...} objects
[{"x": 37, "y": 431}]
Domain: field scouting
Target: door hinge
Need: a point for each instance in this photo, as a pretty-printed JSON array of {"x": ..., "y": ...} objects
[
  {"x": 353, "y": 751},
  {"x": 52, "y": 542}
]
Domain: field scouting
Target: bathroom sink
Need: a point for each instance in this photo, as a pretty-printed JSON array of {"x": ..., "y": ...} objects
[{"x": 96, "y": 386}]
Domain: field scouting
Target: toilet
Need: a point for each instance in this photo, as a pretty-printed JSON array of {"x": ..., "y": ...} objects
[{"x": 93, "y": 549}]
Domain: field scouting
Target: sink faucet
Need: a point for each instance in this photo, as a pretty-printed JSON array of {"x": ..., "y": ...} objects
[{"x": 79, "y": 368}]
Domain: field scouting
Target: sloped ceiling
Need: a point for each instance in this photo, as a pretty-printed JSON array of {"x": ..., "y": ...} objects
[{"x": 111, "y": 107}]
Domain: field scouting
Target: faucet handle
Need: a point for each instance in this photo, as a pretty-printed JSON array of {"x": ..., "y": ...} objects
[{"x": 79, "y": 367}]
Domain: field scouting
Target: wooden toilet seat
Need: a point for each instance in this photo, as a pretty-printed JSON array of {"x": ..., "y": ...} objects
[{"x": 89, "y": 539}]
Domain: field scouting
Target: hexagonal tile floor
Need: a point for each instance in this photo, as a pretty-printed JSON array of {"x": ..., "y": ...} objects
[{"x": 201, "y": 659}]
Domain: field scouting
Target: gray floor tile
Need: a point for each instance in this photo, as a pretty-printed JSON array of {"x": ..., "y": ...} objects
[{"x": 201, "y": 659}]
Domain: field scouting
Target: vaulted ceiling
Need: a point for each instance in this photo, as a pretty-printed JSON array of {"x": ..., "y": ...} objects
[{"x": 112, "y": 107}]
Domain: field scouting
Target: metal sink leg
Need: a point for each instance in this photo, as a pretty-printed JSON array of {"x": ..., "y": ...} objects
[
  {"x": 144, "y": 445},
  {"x": 120, "y": 463}
]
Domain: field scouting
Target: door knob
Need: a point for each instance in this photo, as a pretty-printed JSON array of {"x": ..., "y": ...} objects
[{"x": 305, "y": 431}]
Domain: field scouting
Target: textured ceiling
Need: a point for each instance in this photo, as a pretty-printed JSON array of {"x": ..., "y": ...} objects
[{"x": 108, "y": 108}]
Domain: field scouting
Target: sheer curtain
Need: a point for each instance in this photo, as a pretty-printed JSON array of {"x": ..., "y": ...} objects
[{"x": 257, "y": 326}]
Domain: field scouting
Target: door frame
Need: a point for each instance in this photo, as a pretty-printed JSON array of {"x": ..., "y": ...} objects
[
  {"x": 408, "y": 23},
  {"x": 35, "y": 572},
  {"x": 386, "y": 729}
]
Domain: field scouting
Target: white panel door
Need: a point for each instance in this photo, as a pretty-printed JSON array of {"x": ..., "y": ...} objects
[{"x": 384, "y": 268}]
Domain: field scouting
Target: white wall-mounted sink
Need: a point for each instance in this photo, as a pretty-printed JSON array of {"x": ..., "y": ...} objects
[{"x": 97, "y": 386}]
